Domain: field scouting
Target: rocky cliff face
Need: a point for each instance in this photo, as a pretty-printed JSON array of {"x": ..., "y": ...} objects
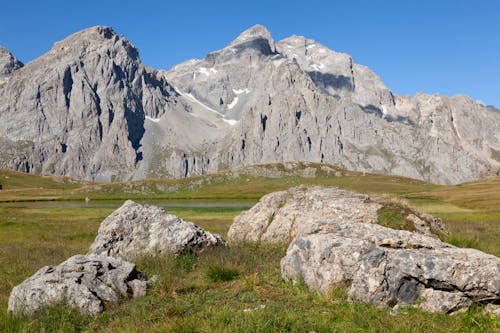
[
  {"x": 298, "y": 100},
  {"x": 80, "y": 109},
  {"x": 8, "y": 64},
  {"x": 90, "y": 109}
]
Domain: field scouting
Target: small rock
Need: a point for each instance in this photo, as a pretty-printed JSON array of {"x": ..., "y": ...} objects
[
  {"x": 84, "y": 282},
  {"x": 419, "y": 224},
  {"x": 493, "y": 309},
  {"x": 261, "y": 307}
]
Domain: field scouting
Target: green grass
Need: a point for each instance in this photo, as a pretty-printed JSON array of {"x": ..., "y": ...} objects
[
  {"x": 238, "y": 289},
  {"x": 247, "y": 184},
  {"x": 213, "y": 219},
  {"x": 17, "y": 180},
  {"x": 394, "y": 216},
  {"x": 217, "y": 273},
  {"x": 184, "y": 300}
]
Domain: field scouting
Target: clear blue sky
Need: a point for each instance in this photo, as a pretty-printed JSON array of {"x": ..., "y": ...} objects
[{"x": 444, "y": 46}]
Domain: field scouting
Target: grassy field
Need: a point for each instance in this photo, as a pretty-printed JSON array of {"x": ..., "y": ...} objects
[{"x": 227, "y": 290}]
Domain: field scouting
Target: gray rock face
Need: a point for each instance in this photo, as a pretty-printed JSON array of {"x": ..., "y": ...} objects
[
  {"x": 8, "y": 64},
  {"x": 393, "y": 267},
  {"x": 82, "y": 282},
  {"x": 306, "y": 102},
  {"x": 281, "y": 216},
  {"x": 90, "y": 109},
  {"x": 80, "y": 109},
  {"x": 134, "y": 230}
]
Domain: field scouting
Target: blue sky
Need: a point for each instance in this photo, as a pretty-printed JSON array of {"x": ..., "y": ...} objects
[{"x": 448, "y": 47}]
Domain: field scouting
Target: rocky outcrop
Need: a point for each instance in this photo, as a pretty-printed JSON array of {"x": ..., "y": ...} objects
[
  {"x": 393, "y": 267},
  {"x": 135, "y": 230},
  {"x": 81, "y": 109},
  {"x": 8, "y": 64},
  {"x": 85, "y": 283},
  {"x": 91, "y": 109},
  {"x": 281, "y": 216},
  {"x": 298, "y": 100}
]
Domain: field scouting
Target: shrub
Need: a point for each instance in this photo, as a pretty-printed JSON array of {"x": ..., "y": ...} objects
[{"x": 217, "y": 273}]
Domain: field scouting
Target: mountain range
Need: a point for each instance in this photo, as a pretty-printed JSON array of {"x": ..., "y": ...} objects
[{"x": 90, "y": 109}]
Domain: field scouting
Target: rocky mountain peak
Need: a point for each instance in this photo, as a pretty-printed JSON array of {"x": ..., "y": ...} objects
[
  {"x": 8, "y": 63},
  {"x": 296, "y": 41},
  {"x": 92, "y": 34},
  {"x": 337, "y": 74},
  {"x": 302, "y": 47},
  {"x": 251, "y": 102},
  {"x": 256, "y": 37},
  {"x": 98, "y": 38},
  {"x": 87, "y": 98}
]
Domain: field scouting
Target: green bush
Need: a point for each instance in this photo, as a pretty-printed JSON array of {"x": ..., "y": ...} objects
[
  {"x": 392, "y": 216},
  {"x": 217, "y": 273}
]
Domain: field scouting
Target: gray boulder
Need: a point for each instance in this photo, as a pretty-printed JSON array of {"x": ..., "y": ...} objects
[
  {"x": 84, "y": 282},
  {"x": 390, "y": 267},
  {"x": 134, "y": 230},
  {"x": 280, "y": 216}
]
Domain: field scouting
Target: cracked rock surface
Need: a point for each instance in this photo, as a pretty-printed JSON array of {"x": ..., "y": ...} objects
[
  {"x": 84, "y": 282},
  {"x": 134, "y": 230},
  {"x": 390, "y": 267},
  {"x": 280, "y": 216}
]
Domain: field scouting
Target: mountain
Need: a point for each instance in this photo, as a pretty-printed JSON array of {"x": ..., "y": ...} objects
[
  {"x": 79, "y": 110},
  {"x": 8, "y": 64},
  {"x": 90, "y": 109}
]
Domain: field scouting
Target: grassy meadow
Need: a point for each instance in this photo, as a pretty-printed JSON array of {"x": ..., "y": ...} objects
[{"x": 44, "y": 220}]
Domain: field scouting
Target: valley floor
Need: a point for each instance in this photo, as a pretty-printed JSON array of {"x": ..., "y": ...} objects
[{"x": 225, "y": 290}]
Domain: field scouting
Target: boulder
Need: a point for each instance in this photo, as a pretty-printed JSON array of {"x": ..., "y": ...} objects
[
  {"x": 280, "y": 216},
  {"x": 134, "y": 230},
  {"x": 391, "y": 267},
  {"x": 84, "y": 282}
]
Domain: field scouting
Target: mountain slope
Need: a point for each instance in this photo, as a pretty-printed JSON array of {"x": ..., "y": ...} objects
[
  {"x": 90, "y": 109},
  {"x": 298, "y": 100},
  {"x": 81, "y": 109}
]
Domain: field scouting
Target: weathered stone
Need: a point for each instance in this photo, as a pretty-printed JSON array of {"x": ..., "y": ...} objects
[
  {"x": 135, "y": 230},
  {"x": 280, "y": 216},
  {"x": 493, "y": 309},
  {"x": 84, "y": 282},
  {"x": 393, "y": 267},
  {"x": 419, "y": 225}
]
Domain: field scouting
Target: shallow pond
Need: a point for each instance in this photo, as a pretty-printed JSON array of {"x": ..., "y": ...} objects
[{"x": 184, "y": 203}]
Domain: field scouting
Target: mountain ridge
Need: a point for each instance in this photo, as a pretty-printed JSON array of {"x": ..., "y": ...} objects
[{"x": 89, "y": 108}]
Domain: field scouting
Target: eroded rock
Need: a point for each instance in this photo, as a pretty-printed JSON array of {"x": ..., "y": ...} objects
[
  {"x": 280, "y": 216},
  {"x": 84, "y": 282},
  {"x": 134, "y": 230},
  {"x": 390, "y": 267}
]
